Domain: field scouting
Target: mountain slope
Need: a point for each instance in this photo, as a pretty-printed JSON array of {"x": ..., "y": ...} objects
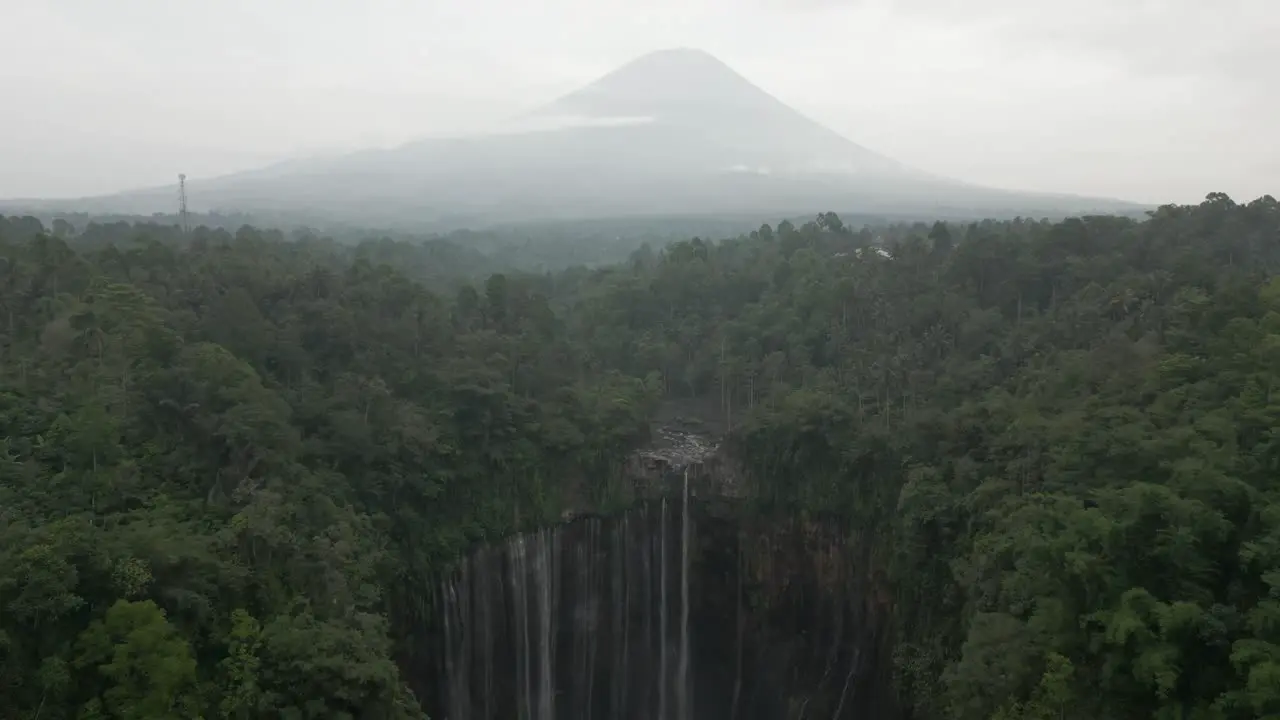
[
  {"x": 672, "y": 132},
  {"x": 692, "y": 90}
]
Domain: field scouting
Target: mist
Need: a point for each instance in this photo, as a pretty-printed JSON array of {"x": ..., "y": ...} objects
[{"x": 1153, "y": 102}]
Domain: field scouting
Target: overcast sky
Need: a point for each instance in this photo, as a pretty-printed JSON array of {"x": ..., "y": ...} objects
[{"x": 1148, "y": 100}]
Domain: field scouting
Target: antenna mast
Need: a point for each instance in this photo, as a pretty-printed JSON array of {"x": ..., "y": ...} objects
[{"x": 182, "y": 202}]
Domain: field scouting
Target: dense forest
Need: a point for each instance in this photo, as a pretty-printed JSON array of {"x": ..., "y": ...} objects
[
  {"x": 231, "y": 463},
  {"x": 446, "y": 252}
]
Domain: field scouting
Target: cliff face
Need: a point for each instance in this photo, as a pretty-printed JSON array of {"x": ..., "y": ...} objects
[
  {"x": 687, "y": 605},
  {"x": 666, "y": 611}
]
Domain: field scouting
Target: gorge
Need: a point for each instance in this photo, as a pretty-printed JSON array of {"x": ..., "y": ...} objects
[{"x": 687, "y": 604}]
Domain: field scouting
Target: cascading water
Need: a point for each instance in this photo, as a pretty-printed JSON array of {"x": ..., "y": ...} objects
[
  {"x": 584, "y": 621},
  {"x": 512, "y": 651},
  {"x": 682, "y": 675},
  {"x": 662, "y": 614}
]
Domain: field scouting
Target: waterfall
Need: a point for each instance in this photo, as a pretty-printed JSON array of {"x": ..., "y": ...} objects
[
  {"x": 682, "y": 675},
  {"x": 514, "y": 651},
  {"x": 662, "y": 615},
  {"x": 631, "y": 618}
]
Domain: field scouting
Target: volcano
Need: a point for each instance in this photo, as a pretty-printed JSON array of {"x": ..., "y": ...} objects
[{"x": 672, "y": 133}]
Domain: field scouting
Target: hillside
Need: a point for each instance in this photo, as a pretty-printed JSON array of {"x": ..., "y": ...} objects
[{"x": 235, "y": 469}]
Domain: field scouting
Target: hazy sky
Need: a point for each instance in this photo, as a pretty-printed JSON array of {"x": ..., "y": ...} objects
[{"x": 1150, "y": 100}]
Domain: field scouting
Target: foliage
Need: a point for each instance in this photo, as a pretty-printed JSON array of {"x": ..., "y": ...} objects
[
  {"x": 242, "y": 458},
  {"x": 227, "y": 460},
  {"x": 1062, "y": 435}
]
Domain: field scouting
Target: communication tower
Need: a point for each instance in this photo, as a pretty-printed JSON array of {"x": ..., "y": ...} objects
[{"x": 182, "y": 202}]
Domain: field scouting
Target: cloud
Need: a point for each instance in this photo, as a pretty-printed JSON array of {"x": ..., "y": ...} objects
[{"x": 1233, "y": 38}]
